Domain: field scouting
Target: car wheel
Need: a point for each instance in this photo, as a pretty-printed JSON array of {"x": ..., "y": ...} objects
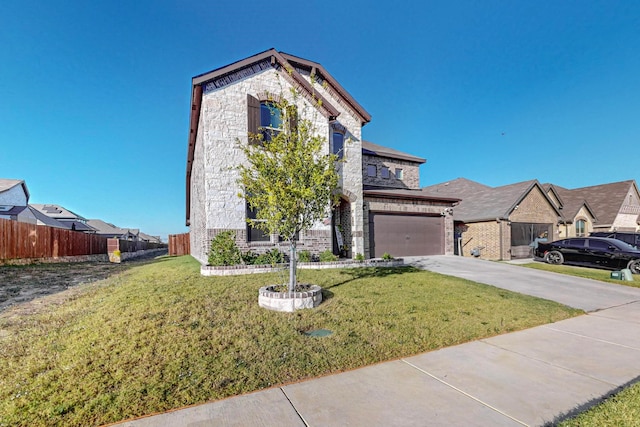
[
  {"x": 634, "y": 266},
  {"x": 554, "y": 257}
]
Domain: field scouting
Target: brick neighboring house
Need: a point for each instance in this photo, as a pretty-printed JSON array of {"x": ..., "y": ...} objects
[
  {"x": 615, "y": 206},
  {"x": 499, "y": 223},
  {"x": 578, "y": 218},
  {"x": 225, "y": 108}
]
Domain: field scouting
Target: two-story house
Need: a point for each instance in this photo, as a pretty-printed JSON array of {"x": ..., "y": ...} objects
[{"x": 233, "y": 102}]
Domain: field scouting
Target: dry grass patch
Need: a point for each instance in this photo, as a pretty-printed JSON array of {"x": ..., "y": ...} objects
[{"x": 161, "y": 336}]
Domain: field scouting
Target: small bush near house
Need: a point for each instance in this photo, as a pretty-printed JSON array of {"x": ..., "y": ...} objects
[
  {"x": 387, "y": 256},
  {"x": 304, "y": 256},
  {"x": 273, "y": 257},
  {"x": 224, "y": 250},
  {"x": 359, "y": 257},
  {"x": 249, "y": 257},
  {"x": 328, "y": 256}
]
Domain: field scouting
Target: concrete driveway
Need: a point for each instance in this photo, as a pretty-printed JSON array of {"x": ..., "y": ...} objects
[{"x": 586, "y": 294}]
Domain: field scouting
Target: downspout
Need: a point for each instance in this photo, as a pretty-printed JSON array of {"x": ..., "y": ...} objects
[{"x": 500, "y": 222}]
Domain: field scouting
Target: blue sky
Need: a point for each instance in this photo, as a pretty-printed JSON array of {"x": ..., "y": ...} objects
[{"x": 94, "y": 96}]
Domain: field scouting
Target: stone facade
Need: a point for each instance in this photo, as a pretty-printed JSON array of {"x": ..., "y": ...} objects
[{"x": 223, "y": 127}]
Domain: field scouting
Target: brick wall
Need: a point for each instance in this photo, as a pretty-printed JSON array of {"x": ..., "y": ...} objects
[{"x": 410, "y": 172}]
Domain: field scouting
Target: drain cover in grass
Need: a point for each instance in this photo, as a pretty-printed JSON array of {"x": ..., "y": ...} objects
[{"x": 318, "y": 333}]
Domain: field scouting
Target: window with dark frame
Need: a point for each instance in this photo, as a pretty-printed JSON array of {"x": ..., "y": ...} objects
[
  {"x": 255, "y": 234},
  {"x": 338, "y": 144},
  {"x": 372, "y": 170},
  {"x": 399, "y": 174},
  {"x": 580, "y": 228},
  {"x": 384, "y": 172},
  {"x": 270, "y": 120}
]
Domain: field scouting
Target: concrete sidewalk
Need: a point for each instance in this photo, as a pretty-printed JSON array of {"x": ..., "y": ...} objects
[{"x": 530, "y": 377}]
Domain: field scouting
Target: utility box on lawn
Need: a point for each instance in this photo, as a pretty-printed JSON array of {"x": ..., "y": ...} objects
[{"x": 624, "y": 274}]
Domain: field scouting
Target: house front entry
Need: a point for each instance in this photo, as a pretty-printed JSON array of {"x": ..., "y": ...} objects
[{"x": 341, "y": 229}]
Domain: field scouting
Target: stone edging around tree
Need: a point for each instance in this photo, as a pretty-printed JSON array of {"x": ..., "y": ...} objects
[{"x": 236, "y": 270}]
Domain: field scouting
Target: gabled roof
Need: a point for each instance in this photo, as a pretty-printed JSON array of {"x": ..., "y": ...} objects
[
  {"x": 483, "y": 203},
  {"x": 8, "y": 184},
  {"x": 290, "y": 68},
  {"x": 46, "y": 220},
  {"x": 571, "y": 202},
  {"x": 57, "y": 212},
  {"x": 371, "y": 149},
  {"x": 606, "y": 200},
  {"x": 106, "y": 228}
]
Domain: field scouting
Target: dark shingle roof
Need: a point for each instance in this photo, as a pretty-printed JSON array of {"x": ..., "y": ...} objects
[
  {"x": 481, "y": 202},
  {"x": 371, "y": 149},
  {"x": 605, "y": 199},
  {"x": 572, "y": 202}
]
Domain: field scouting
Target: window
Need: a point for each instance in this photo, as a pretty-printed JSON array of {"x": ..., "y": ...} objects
[
  {"x": 255, "y": 234},
  {"x": 372, "y": 170},
  {"x": 580, "y": 228},
  {"x": 384, "y": 172},
  {"x": 399, "y": 174},
  {"x": 270, "y": 120},
  {"x": 338, "y": 144}
]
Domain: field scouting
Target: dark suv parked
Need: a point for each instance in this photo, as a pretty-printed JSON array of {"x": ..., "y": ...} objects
[
  {"x": 591, "y": 251},
  {"x": 631, "y": 238}
]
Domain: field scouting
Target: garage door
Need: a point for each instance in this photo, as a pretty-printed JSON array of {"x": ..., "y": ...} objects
[{"x": 406, "y": 235}]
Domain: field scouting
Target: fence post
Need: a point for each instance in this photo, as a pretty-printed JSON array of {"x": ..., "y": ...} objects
[{"x": 113, "y": 249}]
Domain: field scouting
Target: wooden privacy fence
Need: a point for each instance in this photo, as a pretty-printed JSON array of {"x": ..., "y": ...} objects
[
  {"x": 179, "y": 244},
  {"x": 19, "y": 240}
]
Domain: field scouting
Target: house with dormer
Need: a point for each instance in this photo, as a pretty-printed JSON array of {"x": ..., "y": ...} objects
[{"x": 378, "y": 186}]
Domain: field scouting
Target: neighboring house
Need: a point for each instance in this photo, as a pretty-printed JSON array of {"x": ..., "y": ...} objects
[
  {"x": 14, "y": 201},
  {"x": 616, "y": 206},
  {"x": 225, "y": 108},
  {"x": 143, "y": 237},
  {"x": 111, "y": 231},
  {"x": 499, "y": 222},
  {"x": 67, "y": 218},
  {"x": 578, "y": 218}
]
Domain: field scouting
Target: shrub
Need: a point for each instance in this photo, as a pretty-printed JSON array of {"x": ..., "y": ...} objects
[
  {"x": 304, "y": 256},
  {"x": 328, "y": 256},
  {"x": 359, "y": 257},
  {"x": 224, "y": 250},
  {"x": 249, "y": 257},
  {"x": 387, "y": 256},
  {"x": 272, "y": 257}
]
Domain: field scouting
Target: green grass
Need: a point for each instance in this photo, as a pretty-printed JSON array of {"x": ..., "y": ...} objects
[
  {"x": 589, "y": 273},
  {"x": 622, "y": 409},
  {"x": 160, "y": 336}
]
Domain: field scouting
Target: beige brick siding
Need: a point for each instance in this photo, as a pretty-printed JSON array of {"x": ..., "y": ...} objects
[{"x": 410, "y": 172}]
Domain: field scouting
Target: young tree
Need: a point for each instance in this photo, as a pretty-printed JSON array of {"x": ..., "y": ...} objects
[{"x": 288, "y": 180}]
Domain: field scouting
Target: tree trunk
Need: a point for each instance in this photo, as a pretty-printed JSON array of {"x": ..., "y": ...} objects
[{"x": 292, "y": 267}]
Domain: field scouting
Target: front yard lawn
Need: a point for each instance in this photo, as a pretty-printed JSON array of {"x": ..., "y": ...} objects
[
  {"x": 160, "y": 336},
  {"x": 589, "y": 273}
]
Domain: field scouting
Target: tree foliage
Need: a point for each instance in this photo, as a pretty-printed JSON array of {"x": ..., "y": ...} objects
[{"x": 289, "y": 178}]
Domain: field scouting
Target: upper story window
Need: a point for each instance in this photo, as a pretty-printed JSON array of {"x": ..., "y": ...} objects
[
  {"x": 338, "y": 144},
  {"x": 270, "y": 120},
  {"x": 372, "y": 170},
  {"x": 384, "y": 172},
  {"x": 580, "y": 228},
  {"x": 399, "y": 174}
]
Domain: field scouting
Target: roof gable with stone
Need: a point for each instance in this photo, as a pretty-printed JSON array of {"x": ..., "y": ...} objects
[
  {"x": 291, "y": 68},
  {"x": 606, "y": 200}
]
